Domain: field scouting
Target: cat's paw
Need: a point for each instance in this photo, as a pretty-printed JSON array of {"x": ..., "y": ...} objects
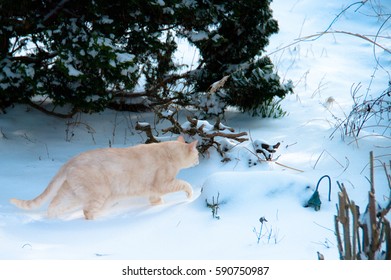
[
  {"x": 89, "y": 215},
  {"x": 155, "y": 200},
  {"x": 189, "y": 192}
]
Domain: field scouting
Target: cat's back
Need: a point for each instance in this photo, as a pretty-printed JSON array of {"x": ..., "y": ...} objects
[{"x": 118, "y": 156}]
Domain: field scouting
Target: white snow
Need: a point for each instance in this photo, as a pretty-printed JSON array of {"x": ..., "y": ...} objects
[
  {"x": 93, "y": 53},
  {"x": 34, "y": 146},
  {"x": 198, "y": 36},
  {"x": 72, "y": 71},
  {"x": 235, "y": 188},
  {"x": 106, "y": 20},
  {"x": 143, "y": 124},
  {"x": 124, "y": 57}
]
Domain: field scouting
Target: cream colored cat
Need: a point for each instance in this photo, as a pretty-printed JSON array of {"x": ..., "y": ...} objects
[{"x": 97, "y": 179}]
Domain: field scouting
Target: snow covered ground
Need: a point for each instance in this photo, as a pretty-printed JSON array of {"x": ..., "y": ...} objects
[{"x": 33, "y": 147}]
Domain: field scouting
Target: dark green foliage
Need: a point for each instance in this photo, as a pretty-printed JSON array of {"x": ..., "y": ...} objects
[
  {"x": 252, "y": 88},
  {"x": 62, "y": 50},
  {"x": 229, "y": 36},
  {"x": 91, "y": 54}
]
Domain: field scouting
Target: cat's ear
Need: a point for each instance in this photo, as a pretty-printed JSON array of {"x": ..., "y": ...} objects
[
  {"x": 181, "y": 139},
  {"x": 193, "y": 145}
]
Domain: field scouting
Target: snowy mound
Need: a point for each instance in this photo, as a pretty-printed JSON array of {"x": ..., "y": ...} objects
[{"x": 246, "y": 188}]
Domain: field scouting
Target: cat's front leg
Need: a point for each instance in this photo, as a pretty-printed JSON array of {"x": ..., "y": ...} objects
[{"x": 180, "y": 185}]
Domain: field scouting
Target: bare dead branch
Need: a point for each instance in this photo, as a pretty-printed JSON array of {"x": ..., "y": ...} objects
[
  {"x": 52, "y": 113},
  {"x": 146, "y": 127}
]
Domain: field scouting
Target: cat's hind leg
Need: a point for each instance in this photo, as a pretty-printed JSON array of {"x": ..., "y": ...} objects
[
  {"x": 64, "y": 201},
  {"x": 94, "y": 207},
  {"x": 156, "y": 199}
]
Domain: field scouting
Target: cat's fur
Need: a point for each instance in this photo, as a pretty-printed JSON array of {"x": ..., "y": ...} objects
[{"x": 97, "y": 179}]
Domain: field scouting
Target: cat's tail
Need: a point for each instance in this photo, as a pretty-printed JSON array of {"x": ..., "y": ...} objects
[{"x": 48, "y": 193}]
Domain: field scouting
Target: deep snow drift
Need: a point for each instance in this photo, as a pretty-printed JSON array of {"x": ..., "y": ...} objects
[{"x": 33, "y": 147}]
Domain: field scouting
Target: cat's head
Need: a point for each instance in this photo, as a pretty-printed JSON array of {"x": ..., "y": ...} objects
[{"x": 190, "y": 153}]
